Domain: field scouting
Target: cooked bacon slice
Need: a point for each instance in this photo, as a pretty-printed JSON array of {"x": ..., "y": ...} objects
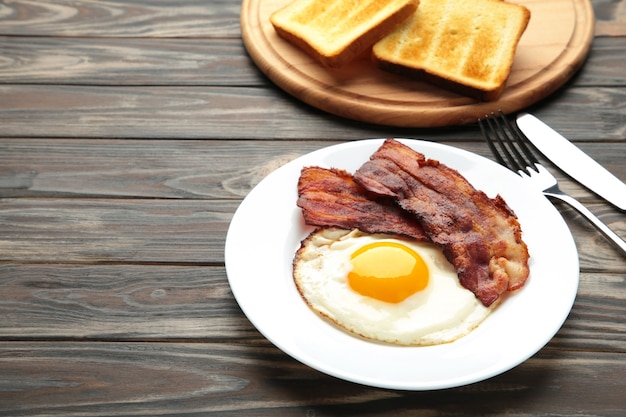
[
  {"x": 480, "y": 236},
  {"x": 331, "y": 198}
]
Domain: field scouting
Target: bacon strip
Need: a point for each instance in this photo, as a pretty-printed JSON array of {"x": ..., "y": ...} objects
[
  {"x": 480, "y": 236},
  {"x": 331, "y": 198}
]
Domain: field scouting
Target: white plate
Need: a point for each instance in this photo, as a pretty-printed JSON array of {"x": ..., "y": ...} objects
[{"x": 267, "y": 229}]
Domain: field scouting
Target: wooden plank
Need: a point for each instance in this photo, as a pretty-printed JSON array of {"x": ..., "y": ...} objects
[
  {"x": 130, "y": 302},
  {"x": 121, "y": 18},
  {"x": 176, "y": 18},
  {"x": 231, "y": 379},
  {"x": 570, "y": 113},
  {"x": 598, "y": 318},
  {"x": 140, "y": 168},
  {"x": 183, "y": 168},
  {"x": 145, "y": 112},
  {"x": 602, "y": 67},
  {"x": 114, "y": 296},
  {"x": 589, "y": 240},
  {"x": 610, "y": 17},
  {"x": 261, "y": 113},
  {"x": 194, "y": 303},
  {"x": 121, "y": 231},
  {"x": 83, "y": 229},
  {"x": 183, "y": 231},
  {"x": 113, "y": 61}
]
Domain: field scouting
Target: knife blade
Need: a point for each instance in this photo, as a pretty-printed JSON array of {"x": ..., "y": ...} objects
[{"x": 573, "y": 161}]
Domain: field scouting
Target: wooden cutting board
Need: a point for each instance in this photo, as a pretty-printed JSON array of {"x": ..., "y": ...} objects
[{"x": 554, "y": 46}]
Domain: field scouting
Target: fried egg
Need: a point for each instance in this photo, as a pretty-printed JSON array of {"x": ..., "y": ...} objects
[{"x": 385, "y": 288}]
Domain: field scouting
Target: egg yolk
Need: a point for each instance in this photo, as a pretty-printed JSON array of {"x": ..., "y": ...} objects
[{"x": 387, "y": 271}]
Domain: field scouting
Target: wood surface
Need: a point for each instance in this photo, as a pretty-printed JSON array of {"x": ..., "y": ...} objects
[
  {"x": 130, "y": 131},
  {"x": 545, "y": 59}
]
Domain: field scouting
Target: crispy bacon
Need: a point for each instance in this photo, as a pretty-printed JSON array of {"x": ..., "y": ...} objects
[
  {"x": 480, "y": 236},
  {"x": 331, "y": 198}
]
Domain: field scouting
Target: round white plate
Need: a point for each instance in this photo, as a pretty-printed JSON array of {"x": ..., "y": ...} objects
[{"x": 267, "y": 229}]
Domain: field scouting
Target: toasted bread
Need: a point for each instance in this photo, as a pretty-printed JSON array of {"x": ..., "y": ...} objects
[
  {"x": 466, "y": 46},
  {"x": 336, "y": 31}
]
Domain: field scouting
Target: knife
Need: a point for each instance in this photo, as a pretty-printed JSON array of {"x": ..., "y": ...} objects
[{"x": 571, "y": 160}]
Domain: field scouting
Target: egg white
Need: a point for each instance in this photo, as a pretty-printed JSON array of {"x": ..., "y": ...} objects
[{"x": 440, "y": 313}]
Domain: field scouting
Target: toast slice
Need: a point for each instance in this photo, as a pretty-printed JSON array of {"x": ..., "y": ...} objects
[
  {"x": 466, "y": 46},
  {"x": 336, "y": 31}
]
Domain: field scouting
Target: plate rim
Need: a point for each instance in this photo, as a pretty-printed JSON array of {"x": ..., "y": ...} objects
[{"x": 315, "y": 361}]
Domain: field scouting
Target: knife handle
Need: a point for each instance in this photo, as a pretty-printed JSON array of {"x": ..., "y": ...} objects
[{"x": 606, "y": 231}]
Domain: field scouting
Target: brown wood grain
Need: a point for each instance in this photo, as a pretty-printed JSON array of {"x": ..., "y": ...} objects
[
  {"x": 122, "y": 61},
  {"x": 191, "y": 18},
  {"x": 215, "y": 379},
  {"x": 115, "y": 301},
  {"x": 119, "y": 18},
  {"x": 187, "y": 169},
  {"x": 171, "y": 201},
  {"x": 610, "y": 17},
  {"x": 601, "y": 67},
  {"x": 130, "y": 131},
  {"x": 246, "y": 112},
  {"x": 194, "y": 303},
  {"x": 127, "y": 231},
  {"x": 221, "y": 62},
  {"x": 82, "y": 230}
]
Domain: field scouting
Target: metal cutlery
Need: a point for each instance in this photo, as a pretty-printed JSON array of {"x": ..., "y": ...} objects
[
  {"x": 573, "y": 161},
  {"x": 507, "y": 143}
]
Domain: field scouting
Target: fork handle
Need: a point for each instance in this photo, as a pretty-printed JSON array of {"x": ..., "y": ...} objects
[{"x": 606, "y": 231}]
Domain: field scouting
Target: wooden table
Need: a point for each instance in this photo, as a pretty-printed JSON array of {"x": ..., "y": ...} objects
[{"x": 130, "y": 131}]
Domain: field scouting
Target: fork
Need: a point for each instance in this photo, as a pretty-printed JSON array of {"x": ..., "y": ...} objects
[{"x": 505, "y": 138}]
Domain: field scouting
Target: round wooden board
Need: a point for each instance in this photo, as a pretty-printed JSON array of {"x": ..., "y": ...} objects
[{"x": 553, "y": 47}]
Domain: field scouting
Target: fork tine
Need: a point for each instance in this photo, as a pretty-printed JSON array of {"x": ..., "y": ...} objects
[
  {"x": 507, "y": 140},
  {"x": 522, "y": 141},
  {"x": 498, "y": 138},
  {"x": 535, "y": 174},
  {"x": 510, "y": 140},
  {"x": 489, "y": 139}
]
